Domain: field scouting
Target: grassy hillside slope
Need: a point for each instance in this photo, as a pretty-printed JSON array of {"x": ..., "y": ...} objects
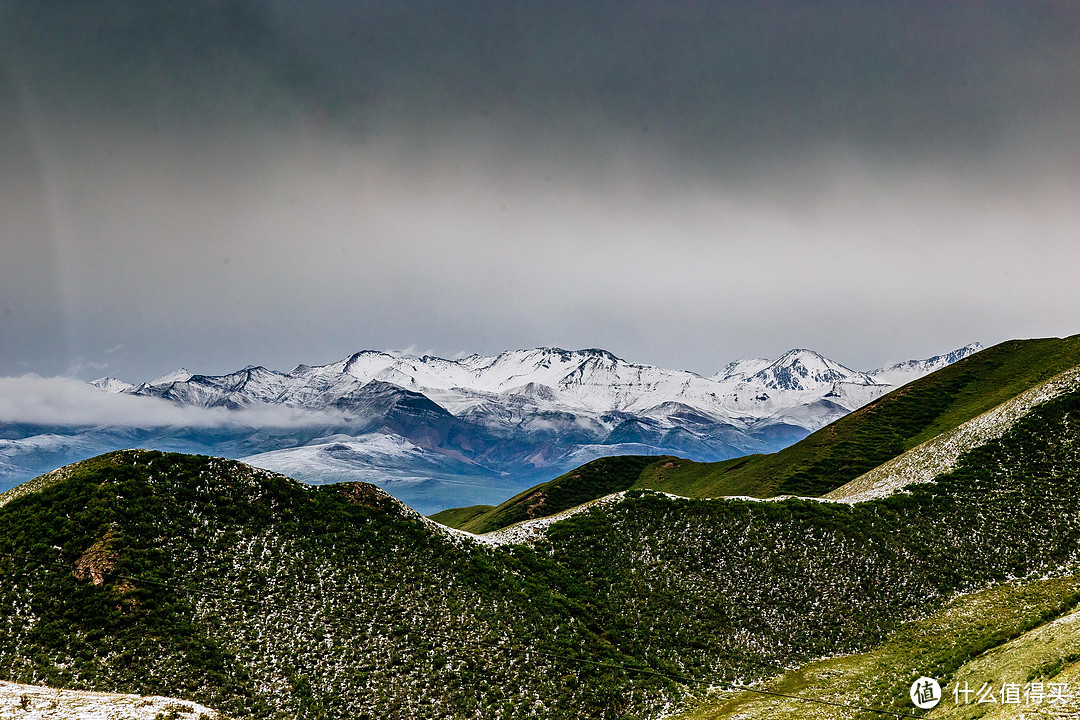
[
  {"x": 828, "y": 458},
  {"x": 210, "y": 581},
  {"x": 588, "y": 482},
  {"x": 737, "y": 588},
  {"x": 459, "y": 517},
  {"x": 1012, "y": 633}
]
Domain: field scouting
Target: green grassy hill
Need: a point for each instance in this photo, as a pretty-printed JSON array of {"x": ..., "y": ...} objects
[
  {"x": 207, "y": 580},
  {"x": 460, "y": 517},
  {"x": 826, "y": 459},
  {"x": 588, "y": 482},
  {"x": 1017, "y": 632}
]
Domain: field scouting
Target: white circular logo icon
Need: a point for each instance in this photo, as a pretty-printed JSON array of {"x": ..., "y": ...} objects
[{"x": 925, "y": 693}]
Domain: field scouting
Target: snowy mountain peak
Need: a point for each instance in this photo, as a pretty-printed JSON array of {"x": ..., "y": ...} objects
[
  {"x": 741, "y": 369},
  {"x": 528, "y": 414},
  {"x": 584, "y": 392},
  {"x": 802, "y": 369},
  {"x": 179, "y": 375},
  {"x": 598, "y": 353},
  {"x": 111, "y": 385},
  {"x": 550, "y": 356},
  {"x": 366, "y": 363},
  {"x": 904, "y": 372}
]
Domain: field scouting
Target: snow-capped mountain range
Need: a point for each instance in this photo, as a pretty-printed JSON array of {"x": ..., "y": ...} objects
[
  {"x": 520, "y": 386},
  {"x": 529, "y": 414},
  {"x": 440, "y": 433}
]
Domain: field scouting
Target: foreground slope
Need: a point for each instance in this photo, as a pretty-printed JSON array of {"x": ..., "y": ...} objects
[
  {"x": 33, "y": 702},
  {"x": 828, "y": 458},
  {"x": 210, "y": 581},
  {"x": 1015, "y": 633}
]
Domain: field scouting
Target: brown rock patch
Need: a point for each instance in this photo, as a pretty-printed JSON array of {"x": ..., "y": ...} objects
[
  {"x": 98, "y": 561},
  {"x": 363, "y": 494}
]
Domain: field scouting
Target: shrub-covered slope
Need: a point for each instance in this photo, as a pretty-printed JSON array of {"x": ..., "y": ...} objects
[
  {"x": 828, "y": 458},
  {"x": 207, "y": 580},
  {"x": 741, "y": 584}
]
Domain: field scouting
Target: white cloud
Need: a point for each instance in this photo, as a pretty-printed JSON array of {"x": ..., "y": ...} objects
[{"x": 70, "y": 402}]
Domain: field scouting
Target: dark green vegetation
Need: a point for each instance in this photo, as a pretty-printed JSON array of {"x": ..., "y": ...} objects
[
  {"x": 203, "y": 578},
  {"x": 832, "y": 456},
  {"x": 246, "y": 591},
  {"x": 590, "y": 481}
]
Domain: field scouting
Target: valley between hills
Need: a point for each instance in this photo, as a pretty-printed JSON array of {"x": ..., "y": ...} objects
[{"x": 934, "y": 531}]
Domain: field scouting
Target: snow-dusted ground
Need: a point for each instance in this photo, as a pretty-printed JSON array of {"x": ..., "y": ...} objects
[
  {"x": 373, "y": 457},
  {"x": 939, "y": 455},
  {"x": 529, "y": 530},
  {"x": 33, "y": 702}
]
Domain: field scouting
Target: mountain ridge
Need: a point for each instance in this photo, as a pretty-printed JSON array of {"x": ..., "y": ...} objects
[
  {"x": 600, "y": 381},
  {"x": 473, "y": 430}
]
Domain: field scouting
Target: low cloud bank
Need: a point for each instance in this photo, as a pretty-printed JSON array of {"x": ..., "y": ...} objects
[{"x": 66, "y": 401}]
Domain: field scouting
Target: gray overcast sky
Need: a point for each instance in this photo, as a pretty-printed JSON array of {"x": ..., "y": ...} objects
[{"x": 213, "y": 184}]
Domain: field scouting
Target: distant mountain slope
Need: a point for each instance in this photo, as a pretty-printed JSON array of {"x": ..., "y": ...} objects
[
  {"x": 242, "y": 590},
  {"x": 460, "y": 517},
  {"x": 439, "y": 433},
  {"x": 528, "y": 389},
  {"x": 902, "y": 373},
  {"x": 883, "y": 429},
  {"x": 836, "y": 454},
  {"x": 940, "y": 453}
]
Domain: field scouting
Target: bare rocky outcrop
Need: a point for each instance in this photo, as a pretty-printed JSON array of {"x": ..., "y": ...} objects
[{"x": 98, "y": 561}]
